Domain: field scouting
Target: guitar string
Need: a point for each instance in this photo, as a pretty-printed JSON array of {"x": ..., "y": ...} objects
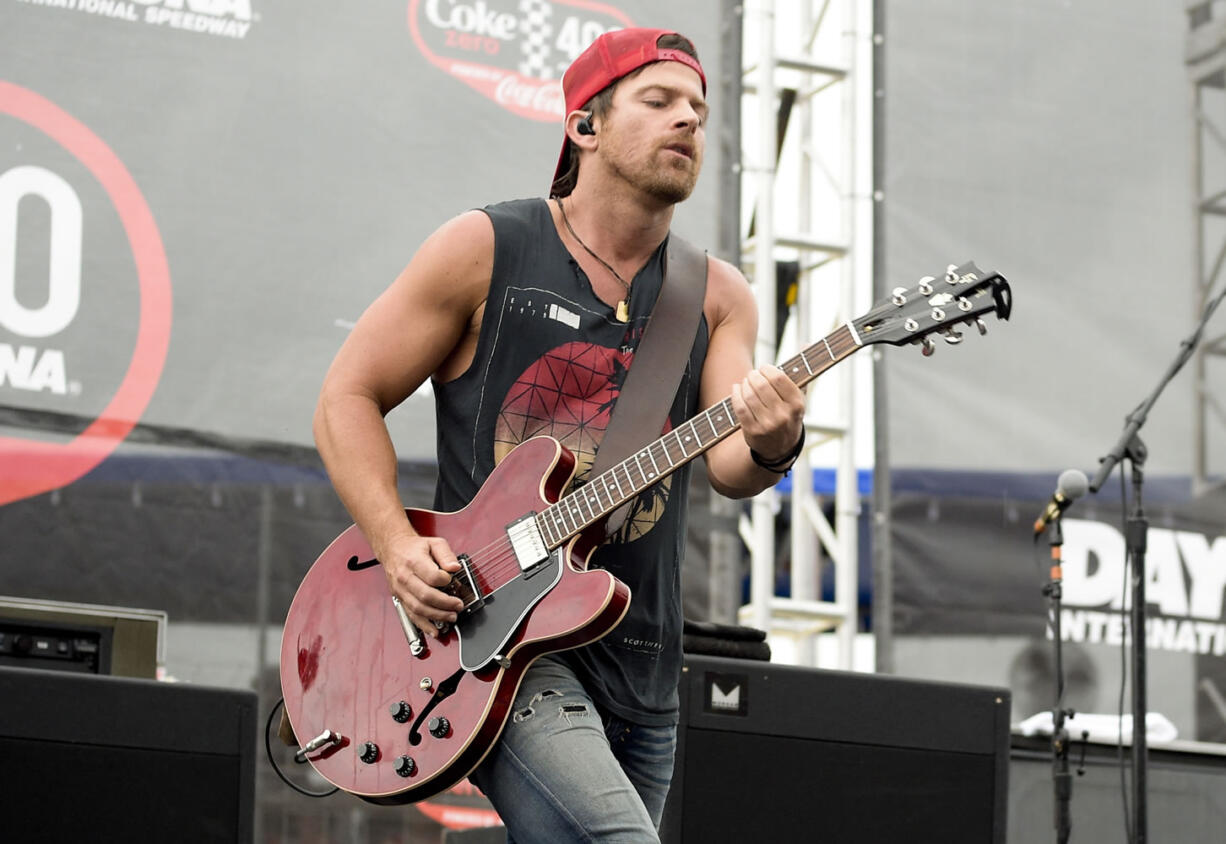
[
  {"x": 505, "y": 562},
  {"x": 839, "y": 344}
]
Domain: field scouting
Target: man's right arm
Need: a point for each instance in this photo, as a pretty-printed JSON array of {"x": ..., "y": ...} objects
[{"x": 424, "y": 323}]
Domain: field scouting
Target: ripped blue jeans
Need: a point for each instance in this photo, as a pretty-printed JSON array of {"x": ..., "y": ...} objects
[{"x": 561, "y": 772}]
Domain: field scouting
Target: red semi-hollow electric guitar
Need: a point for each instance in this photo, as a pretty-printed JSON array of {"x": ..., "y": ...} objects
[{"x": 393, "y": 716}]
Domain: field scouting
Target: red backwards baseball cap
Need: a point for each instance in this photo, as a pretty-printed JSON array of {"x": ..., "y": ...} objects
[{"x": 608, "y": 59}]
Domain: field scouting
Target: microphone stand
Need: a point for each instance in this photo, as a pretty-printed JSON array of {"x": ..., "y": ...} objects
[
  {"x": 1129, "y": 445},
  {"x": 1062, "y": 780}
]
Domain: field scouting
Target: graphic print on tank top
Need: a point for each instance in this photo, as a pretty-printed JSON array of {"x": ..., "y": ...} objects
[{"x": 569, "y": 394}]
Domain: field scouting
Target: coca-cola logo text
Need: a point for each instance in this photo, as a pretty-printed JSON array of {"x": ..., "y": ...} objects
[{"x": 513, "y": 52}]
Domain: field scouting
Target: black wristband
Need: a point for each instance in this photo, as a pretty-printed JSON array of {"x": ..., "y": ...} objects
[{"x": 784, "y": 464}]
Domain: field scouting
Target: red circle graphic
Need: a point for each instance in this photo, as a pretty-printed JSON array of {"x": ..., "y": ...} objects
[
  {"x": 569, "y": 394},
  {"x": 33, "y": 467}
]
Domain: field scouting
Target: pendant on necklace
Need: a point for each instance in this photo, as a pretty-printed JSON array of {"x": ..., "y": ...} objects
[{"x": 623, "y": 313}]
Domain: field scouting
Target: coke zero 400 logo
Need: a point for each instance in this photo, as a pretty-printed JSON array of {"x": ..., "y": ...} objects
[
  {"x": 512, "y": 51},
  {"x": 85, "y": 302}
]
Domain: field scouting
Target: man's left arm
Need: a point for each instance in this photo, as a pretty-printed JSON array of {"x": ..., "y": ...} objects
[{"x": 769, "y": 406}]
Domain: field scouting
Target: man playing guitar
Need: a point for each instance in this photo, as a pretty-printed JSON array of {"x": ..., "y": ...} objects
[{"x": 526, "y": 314}]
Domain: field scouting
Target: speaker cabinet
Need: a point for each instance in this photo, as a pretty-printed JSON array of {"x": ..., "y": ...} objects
[
  {"x": 780, "y": 753},
  {"x": 96, "y": 758}
]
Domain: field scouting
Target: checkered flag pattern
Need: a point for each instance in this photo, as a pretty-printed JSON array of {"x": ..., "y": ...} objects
[{"x": 535, "y": 31}]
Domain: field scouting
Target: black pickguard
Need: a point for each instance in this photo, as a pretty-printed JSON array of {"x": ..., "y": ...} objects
[{"x": 484, "y": 632}]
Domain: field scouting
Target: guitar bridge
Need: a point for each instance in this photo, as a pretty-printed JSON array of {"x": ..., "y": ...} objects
[{"x": 464, "y": 586}]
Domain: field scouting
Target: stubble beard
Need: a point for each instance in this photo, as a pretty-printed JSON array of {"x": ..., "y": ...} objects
[{"x": 671, "y": 182}]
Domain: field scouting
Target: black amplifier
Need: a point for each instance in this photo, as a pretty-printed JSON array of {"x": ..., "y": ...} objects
[
  {"x": 60, "y": 647},
  {"x": 771, "y": 752}
]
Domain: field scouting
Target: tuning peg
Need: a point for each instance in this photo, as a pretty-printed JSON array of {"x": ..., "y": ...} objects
[
  {"x": 982, "y": 326},
  {"x": 927, "y": 347},
  {"x": 952, "y": 337},
  {"x": 899, "y": 296},
  {"x": 925, "y": 285}
]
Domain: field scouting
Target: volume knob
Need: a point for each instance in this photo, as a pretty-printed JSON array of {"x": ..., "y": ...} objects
[
  {"x": 401, "y": 711},
  {"x": 370, "y": 752},
  {"x": 405, "y": 766},
  {"x": 440, "y": 727}
]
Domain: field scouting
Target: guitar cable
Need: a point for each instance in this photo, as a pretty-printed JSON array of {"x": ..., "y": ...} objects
[{"x": 271, "y": 761}]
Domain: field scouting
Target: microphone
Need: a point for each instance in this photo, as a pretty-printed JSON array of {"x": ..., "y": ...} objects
[{"x": 1071, "y": 485}]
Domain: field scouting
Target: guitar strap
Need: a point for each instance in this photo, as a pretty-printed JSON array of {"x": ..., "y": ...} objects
[{"x": 651, "y": 383}]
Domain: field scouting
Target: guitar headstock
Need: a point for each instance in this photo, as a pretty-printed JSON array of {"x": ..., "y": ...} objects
[{"x": 962, "y": 295}]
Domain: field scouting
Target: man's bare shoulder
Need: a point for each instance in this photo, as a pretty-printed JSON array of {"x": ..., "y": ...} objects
[
  {"x": 474, "y": 224},
  {"x": 728, "y": 292},
  {"x": 459, "y": 255}
]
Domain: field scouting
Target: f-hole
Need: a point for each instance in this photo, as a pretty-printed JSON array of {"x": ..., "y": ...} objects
[{"x": 445, "y": 690}]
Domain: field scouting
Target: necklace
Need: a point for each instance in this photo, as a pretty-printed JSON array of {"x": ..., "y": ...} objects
[{"x": 623, "y": 309}]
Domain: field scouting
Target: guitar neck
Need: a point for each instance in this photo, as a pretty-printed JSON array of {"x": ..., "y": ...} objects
[{"x": 603, "y": 494}]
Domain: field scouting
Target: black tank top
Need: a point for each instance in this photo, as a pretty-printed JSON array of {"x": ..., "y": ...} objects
[{"x": 551, "y": 359}]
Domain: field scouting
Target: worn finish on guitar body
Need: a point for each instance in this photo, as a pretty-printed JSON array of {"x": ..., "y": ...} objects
[{"x": 346, "y": 662}]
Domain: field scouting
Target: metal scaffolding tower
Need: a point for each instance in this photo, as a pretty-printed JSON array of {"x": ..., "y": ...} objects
[
  {"x": 807, "y": 176},
  {"x": 1206, "y": 60}
]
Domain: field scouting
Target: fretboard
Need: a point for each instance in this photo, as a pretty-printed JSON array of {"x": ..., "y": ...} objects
[{"x": 603, "y": 494}]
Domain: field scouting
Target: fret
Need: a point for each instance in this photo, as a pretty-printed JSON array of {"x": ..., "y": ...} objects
[
  {"x": 576, "y": 516},
  {"x": 805, "y": 360},
  {"x": 558, "y": 529},
  {"x": 544, "y": 528},
  {"x": 604, "y": 488},
  {"x": 573, "y": 504},
  {"x": 593, "y": 500},
  {"x": 625, "y": 467},
  {"x": 829, "y": 351},
  {"x": 647, "y": 451},
  {"x": 646, "y": 475},
  {"x": 711, "y": 422},
  {"x": 636, "y": 485},
  {"x": 664, "y": 448},
  {"x": 564, "y": 515},
  {"x": 681, "y": 440},
  {"x": 579, "y": 496},
  {"x": 620, "y": 493}
]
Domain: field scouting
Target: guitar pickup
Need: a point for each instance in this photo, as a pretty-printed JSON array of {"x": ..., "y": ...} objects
[
  {"x": 464, "y": 586},
  {"x": 527, "y": 542}
]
